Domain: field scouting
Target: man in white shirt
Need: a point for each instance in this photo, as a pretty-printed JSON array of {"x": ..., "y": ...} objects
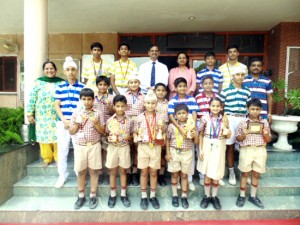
[{"x": 153, "y": 72}]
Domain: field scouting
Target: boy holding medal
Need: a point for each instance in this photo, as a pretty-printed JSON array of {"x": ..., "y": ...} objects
[
  {"x": 146, "y": 128},
  {"x": 119, "y": 129},
  {"x": 253, "y": 134},
  {"x": 179, "y": 153},
  {"x": 86, "y": 127}
]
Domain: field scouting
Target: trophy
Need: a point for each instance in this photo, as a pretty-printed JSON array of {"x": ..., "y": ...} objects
[
  {"x": 78, "y": 119},
  {"x": 113, "y": 127},
  {"x": 255, "y": 128},
  {"x": 139, "y": 135},
  {"x": 159, "y": 135},
  {"x": 190, "y": 125},
  {"x": 225, "y": 125}
]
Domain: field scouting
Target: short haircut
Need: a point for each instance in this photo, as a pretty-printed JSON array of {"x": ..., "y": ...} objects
[
  {"x": 102, "y": 78},
  {"x": 254, "y": 102},
  {"x": 49, "y": 62},
  {"x": 208, "y": 54},
  {"x": 97, "y": 45},
  {"x": 124, "y": 44},
  {"x": 87, "y": 92},
  {"x": 119, "y": 98},
  {"x": 256, "y": 60},
  {"x": 215, "y": 99},
  {"x": 187, "y": 58},
  {"x": 232, "y": 46},
  {"x": 205, "y": 77},
  {"x": 160, "y": 85},
  {"x": 179, "y": 80},
  {"x": 153, "y": 45},
  {"x": 181, "y": 106}
]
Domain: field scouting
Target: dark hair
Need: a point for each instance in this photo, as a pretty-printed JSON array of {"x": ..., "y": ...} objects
[
  {"x": 179, "y": 80},
  {"x": 160, "y": 85},
  {"x": 181, "y": 106},
  {"x": 256, "y": 60},
  {"x": 87, "y": 92},
  {"x": 232, "y": 46},
  {"x": 119, "y": 98},
  {"x": 97, "y": 45},
  {"x": 254, "y": 102},
  {"x": 205, "y": 77},
  {"x": 102, "y": 78},
  {"x": 124, "y": 44},
  {"x": 215, "y": 99},
  {"x": 154, "y": 45},
  {"x": 208, "y": 54},
  {"x": 49, "y": 62},
  {"x": 187, "y": 58}
]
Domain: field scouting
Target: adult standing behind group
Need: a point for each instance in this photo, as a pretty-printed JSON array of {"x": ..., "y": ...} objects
[
  {"x": 153, "y": 72},
  {"x": 183, "y": 70},
  {"x": 41, "y": 112}
]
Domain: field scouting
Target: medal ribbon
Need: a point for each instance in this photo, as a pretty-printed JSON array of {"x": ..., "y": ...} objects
[
  {"x": 179, "y": 138},
  {"x": 134, "y": 98},
  {"x": 100, "y": 69},
  {"x": 151, "y": 127},
  {"x": 87, "y": 118},
  {"x": 102, "y": 99},
  {"x": 124, "y": 75},
  {"x": 215, "y": 130}
]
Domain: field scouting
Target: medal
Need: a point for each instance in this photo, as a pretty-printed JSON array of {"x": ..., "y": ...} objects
[
  {"x": 151, "y": 128},
  {"x": 151, "y": 145}
]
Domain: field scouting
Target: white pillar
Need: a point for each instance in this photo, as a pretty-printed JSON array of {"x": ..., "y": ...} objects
[{"x": 35, "y": 42}]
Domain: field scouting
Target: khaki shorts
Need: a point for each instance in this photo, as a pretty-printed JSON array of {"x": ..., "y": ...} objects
[
  {"x": 87, "y": 157},
  {"x": 253, "y": 158},
  {"x": 149, "y": 157},
  {"x": 181, "y": 161},
  {"x": 118, "y": 156}
]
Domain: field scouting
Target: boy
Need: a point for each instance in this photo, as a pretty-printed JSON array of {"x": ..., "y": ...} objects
[
  {"x": 66, "y": 101},
  {"x": 94, "y": 68},
  {"x": 210, "y": 60},
  {"x": 162, "y": 109},
  {"x": 86, "y": 127},
  {"x": 120, "y": 70},
  {"x": 103, "y": 103},
  {"x": 119, "y": 129},
  {"x": 180, "y": 84},
  {"x": 253, "y": 134},
  {"x": 235, "y": 98},
  {"x": 146, "y": 127},
  {"x": 179, "y": 154}
]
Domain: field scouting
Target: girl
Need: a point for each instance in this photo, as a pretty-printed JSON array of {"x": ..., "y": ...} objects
[{"x": 212, "y": 145}]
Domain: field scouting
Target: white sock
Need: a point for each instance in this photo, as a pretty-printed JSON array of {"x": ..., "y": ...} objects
[
  {"x": 184, "y": 195},
  {"x": 174, "y": 190},
  {"x": 92, "y": 194},
  {"x": 152, "y": 193},
  {"x": 123, "y": 192},
  {"x": 214, "y": 190},
  {"x": 190, "y": 178},
  {"x": 231, "y": 170},
  {"x": 81, "y": 194},
  {"x": 243, "y": 192},
  {"x": 113, "y": 192},
  {"x": 144, "y": 194},
  {"x": 207, "y": 190},
  {"x": 253, "y": 190}
]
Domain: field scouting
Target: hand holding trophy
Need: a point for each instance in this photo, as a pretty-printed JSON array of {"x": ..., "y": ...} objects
[
  {"x": 113, "y": 127},
  {"x": 225, "y": 126},
  {"x": 190, "y": 125}
]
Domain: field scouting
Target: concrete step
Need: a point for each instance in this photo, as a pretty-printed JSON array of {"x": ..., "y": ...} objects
[
  {"x": 283, "y": 156},
  {"x": 60, "y": 210},
  {"x": 44, "y": 186}
]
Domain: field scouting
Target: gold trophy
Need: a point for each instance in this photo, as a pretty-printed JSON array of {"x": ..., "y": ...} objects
[
  {"x": 159, "y": 135},
  {"x": 190, "y": 125},
  {"x": 113, "y": 127},
  {"x": 225, "y": 126},
  {"x": 139, "y": 135}
]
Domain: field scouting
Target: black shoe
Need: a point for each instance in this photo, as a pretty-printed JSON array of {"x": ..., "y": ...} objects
[
  {"x": 216, "y": 203},
  {"x": 161, "y": 180},
  {"x": 93, "y": 202},
  {"x": 240, "y": 202},
  {"x": 256, "y": 201},
  {"x": 129, "y": 180},
  {"x": 135, "y": 179},
  {"x": 175, "y": 201},
  {"x": 205, "y": 201},
  {"x": 154, "y": 202},
  {"x": 79, "y": 203},
  {"x": 144, "y": 203},
  {"x": 112, "y": 201},
  {"x": 125, "y": 201},
  {"x": 184, "y": 203}
]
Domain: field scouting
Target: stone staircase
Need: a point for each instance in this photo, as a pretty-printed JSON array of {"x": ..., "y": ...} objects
[{"x": 36, "y": 200}]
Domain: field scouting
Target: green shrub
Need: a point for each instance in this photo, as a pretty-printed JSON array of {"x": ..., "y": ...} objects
[{"x": 10, "y": 122}]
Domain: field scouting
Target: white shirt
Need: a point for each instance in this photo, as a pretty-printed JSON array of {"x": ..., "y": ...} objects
[{"x": 161, "y": 74}]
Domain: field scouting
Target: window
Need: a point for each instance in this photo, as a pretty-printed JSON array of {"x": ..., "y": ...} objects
[
  {"x": 8, "y": 74},
  {"x": 138, "y": 44},
  {"x": 248, "y": 43}
]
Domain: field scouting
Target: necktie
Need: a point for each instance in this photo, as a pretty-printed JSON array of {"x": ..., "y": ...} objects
[{"x": 153, "y": 75}]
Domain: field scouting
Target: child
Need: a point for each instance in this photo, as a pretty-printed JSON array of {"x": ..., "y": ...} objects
[
  {"x": 146, "y": 126},
  {"x": 181, "y": 97},
  {"x": 121, "y": 70},
  {"x": 212, "y": 147},
  {"x": 135, "y": 106},
  {"x": 179, "y": 153},
  {"x": 210, "y": 60},
  {"x": 103, "y": 103},
  {"x": 253, "y": 134},
  {"x": 94, "y": 68},
  {"x": 66, "y": 101},
  {"x": 162, "y": 108},
  {"x": 86, "y": 127},
  {"x": 235, "y": 98},
  {"x": 119, "y": 129}
]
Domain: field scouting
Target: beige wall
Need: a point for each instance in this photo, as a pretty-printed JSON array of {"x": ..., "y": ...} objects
[{"x": 59, "y": 46}]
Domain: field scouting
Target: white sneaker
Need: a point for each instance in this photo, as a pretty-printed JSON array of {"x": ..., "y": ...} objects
[
  {"x": 201, "y": 181},
  {"x": 192, "y": 186},
  {"x": 249, "y": 180},
  {"x": 221, "y": 183},
  {"x": 60, "y": 182},
  {"x": 232, "y": 180}
]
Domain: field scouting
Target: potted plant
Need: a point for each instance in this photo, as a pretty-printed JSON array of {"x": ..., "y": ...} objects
[{"x": 285, "y": 124}]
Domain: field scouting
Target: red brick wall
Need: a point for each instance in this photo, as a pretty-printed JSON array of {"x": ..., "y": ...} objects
[{"x": 282, "y": 35}]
